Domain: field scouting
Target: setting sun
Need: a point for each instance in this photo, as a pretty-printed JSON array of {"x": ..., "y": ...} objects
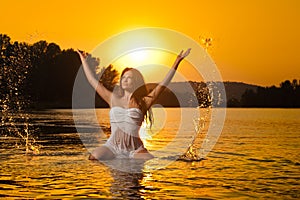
[
  {"x": 138, "y": 56},
  {"x": 147, "y": 61},
  {"x": 154, "y": 64}
]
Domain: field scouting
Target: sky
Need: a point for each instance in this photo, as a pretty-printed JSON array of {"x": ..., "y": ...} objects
[{"x": 253, "y": 41}]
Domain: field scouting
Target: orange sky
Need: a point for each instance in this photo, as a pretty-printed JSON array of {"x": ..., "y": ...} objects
[{"x": 253, "y": 41}]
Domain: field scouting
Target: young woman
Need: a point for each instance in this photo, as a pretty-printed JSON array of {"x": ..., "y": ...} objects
[{"x": 130, "y": 104}]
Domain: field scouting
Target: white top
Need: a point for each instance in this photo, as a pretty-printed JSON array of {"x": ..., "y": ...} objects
[{"x": 125, "y": 126}]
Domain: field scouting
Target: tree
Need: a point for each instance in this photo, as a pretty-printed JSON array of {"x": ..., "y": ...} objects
[
  {"x": 287, "y": 95},
  {"x": 233, "y": 102},
  {"x": 248, "y": 98}
]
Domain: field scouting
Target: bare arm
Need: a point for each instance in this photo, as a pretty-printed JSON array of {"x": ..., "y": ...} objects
[
  {"x": 100, "y": 89},
  {"x": 153, "y": 95}
]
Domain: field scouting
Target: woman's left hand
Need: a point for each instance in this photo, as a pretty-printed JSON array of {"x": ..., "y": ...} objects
[{"x": 183, "y": 54}]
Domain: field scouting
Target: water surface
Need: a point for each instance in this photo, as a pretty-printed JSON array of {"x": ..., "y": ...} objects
[{"x": 257, "y": 156}]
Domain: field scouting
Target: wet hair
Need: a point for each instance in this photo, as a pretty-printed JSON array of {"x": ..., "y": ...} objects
[{"x": 139, "y": 92}]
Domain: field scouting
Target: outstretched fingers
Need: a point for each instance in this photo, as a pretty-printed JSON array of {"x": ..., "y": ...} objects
[
  {"x": 184, "y": 54},
  {"x": 81, "y": 53},
  {"x": 180, "y": 54}
]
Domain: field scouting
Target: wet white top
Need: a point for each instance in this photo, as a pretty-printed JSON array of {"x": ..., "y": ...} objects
[
  {"x": 125, "y": 126},
  {"x": 128, "y": 120}
]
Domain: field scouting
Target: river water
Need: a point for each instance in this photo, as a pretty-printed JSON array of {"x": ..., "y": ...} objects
[{"x": 256, "y": 156}]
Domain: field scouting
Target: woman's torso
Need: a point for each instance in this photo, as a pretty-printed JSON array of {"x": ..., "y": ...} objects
[{"x": 126, "y": 120}]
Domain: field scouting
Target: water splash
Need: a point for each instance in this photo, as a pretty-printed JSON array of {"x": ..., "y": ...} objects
[
  {"x": 206, "y": 42},
  {"x": 14, "y": 71},
  {"x": 211, "y": 96},
  {"x": 194, "y": 152},
  {"x": 17, "y": 125}
]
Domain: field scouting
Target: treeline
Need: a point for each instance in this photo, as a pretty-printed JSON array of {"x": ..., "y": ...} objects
[
  {"x": 38, "y": 75},
  {"x": 287, "y": 95},
  {"x": 42, "y": 75},
  {"x": 35, "y": 75}
]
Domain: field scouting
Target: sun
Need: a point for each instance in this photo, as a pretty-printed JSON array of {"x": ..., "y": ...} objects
[
  {"x": 145, "y": 60},
  {"x": 154, "y": 64},
  {"x": 140, "y": 57}
]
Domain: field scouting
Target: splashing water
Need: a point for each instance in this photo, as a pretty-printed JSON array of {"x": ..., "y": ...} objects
[
  {"x": 211, "y": 95},
  {"x": 14, "y": 71},
  {"x": 195, "y": 149},
  {"x": 206, "y": 42},
  {"x": 17, "y": 125}
]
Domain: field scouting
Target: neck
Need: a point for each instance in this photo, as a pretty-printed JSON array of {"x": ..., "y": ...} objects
[{"x": 127, "y": 95}]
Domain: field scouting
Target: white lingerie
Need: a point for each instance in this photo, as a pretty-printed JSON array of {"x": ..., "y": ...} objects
[{"x": 124, "y": 140}]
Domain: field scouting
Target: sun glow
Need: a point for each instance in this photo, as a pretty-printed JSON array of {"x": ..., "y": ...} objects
[
  {"x": 150, "y": 50},
  {"x": 154, "y": 64},
  {"x": 138, "y": 56},
  {"x": 145, "y": 60},
  {"x": 141, "y": 57}
]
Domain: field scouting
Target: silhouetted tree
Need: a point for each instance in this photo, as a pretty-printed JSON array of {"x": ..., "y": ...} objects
[
  {"x": 233, "y": 102},
  {"x": 287, "y": 95},
  {"x": 248, "y": 98}
]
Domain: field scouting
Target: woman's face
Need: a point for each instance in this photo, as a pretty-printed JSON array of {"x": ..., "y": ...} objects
[{"x": 127, "y": 81}]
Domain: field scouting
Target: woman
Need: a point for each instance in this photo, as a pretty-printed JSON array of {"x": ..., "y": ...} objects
[{"x": 129, "y": 105}]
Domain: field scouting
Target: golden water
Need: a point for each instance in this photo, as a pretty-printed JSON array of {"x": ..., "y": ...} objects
[{"x": 257, "y": 156}]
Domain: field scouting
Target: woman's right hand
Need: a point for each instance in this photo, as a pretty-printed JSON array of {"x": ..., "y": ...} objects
[{"x": 82, "y": 54}]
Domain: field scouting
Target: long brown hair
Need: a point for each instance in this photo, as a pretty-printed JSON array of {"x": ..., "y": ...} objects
[{"x": 140, "y": 91}]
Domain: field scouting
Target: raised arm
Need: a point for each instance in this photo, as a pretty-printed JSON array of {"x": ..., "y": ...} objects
[
  {"x": 100, "y": 89},
  {"x": 153, "y": 95}
]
